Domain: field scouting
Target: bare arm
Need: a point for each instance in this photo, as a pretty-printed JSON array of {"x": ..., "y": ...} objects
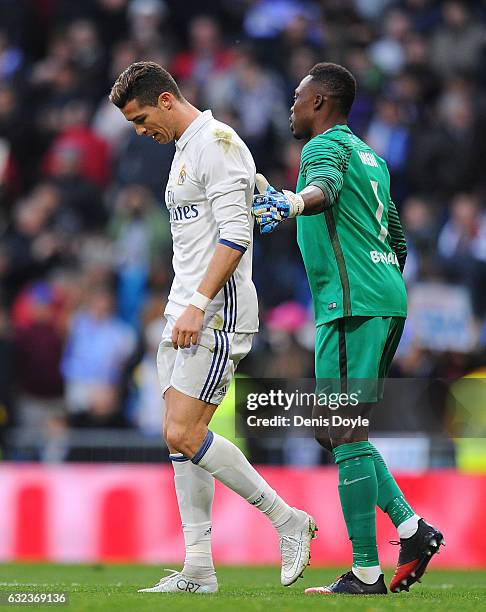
[
  {"x": 315, "y": 200},
  {"x": 223, "y": 263}
]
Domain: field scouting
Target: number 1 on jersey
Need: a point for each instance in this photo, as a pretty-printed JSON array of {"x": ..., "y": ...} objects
[{"x": 379, "y": 212}]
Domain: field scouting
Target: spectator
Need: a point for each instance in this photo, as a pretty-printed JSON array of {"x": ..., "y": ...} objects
[
  {"x": 266, "y": 19},
  {"x": 372, "y": 9},
  {"x": 98, "y": 347},
  {"x": 141, "y": 235},
  {"x": 424, "y": 14},
  {"x": 388, "y": 52},
  {"x": 81, "y": 206},
  {"x": 256, "y": 97},
  {"x": 15, "y": 128},
  {"x": 146, "y": 20},
  {"x": 11, "y": 58},
  {"x": 462, "y": 245},
  {"x": 38, "y": 349},
  {"x": 142, "y": 161},
  {"x": 7, "y": 372},
  {"x": 419, "y": 219},
  {"x": 30, "y": 249},
  {"x": 388, "y": 134},
  {"x": 111, "y": 18},
  {"x": 446, "y": 148},
  {"x": 207, "y": 56},
  {"x": 102, "y": 410},
  {"x": 77, "y": 136},
  {"x": 108, "y": 123},
  {"x": 88, "y": 56},
  {"x": 458, "y": 41},
  {"x": 148, "y": 405}
]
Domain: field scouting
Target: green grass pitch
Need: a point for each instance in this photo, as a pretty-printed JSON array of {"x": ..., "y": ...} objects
[{"x": 114, "y": 587}]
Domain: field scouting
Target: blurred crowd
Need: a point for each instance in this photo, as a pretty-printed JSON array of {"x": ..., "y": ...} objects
[{"x": 85, "y": 244}]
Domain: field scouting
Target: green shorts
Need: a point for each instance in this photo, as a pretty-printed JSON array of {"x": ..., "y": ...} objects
[{"x": 354, "y": 354}]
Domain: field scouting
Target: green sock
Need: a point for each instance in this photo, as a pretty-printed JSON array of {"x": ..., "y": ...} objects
[
  {"x": 390, "y": 497},
  {"x": 358, "y": 491}
]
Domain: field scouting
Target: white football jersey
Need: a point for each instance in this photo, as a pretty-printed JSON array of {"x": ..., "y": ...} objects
[{"x": 209, "y": 195}]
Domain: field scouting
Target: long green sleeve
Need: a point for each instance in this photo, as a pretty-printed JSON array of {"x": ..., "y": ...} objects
[{"x": 398, "y": 243}]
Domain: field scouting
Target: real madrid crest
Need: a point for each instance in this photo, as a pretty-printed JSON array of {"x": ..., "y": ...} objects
[{"x": 182, "y": 175}]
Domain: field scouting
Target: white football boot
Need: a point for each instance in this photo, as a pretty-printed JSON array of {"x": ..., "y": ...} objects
[
  {"x": 295, "y": 548},
  {"x": 177, "y": 582}
]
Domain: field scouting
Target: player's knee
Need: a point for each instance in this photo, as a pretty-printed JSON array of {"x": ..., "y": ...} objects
[
  {"x": 177, "y": 438},
  {"x": 347, "y": 438},
  {"x": 335, "y": 442},
  {"x": 323, "y": 439}
]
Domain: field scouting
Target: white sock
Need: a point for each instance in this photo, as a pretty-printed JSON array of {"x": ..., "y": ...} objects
[
  {"x": 409, "y": 527},
  {"x": 195, "y": 492},
  {"x": 228, "y": 464},
  {"x": 369, "y": 575}
]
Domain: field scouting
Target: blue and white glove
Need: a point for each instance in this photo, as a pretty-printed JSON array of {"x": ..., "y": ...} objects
[{"x": 270, "y": 207}]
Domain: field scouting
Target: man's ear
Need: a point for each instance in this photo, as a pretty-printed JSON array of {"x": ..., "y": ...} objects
[
  {"x": 165, "y": 100},
  {"x": 318, "y": 101}
]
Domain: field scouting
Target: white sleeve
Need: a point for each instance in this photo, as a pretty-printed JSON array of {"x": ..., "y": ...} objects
[{"x": 227, "y": 177}]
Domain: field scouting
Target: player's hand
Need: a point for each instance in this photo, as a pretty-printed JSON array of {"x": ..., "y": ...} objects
[
  {"x": 187, "y": 328},
  {"x": 269, "y": 208}
]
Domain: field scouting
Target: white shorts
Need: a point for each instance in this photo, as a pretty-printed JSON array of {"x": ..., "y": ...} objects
[{"x": 203, "y": 371}]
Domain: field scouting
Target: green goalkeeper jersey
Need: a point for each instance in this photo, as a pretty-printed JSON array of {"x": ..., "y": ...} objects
[{"x": 355, "y": 250}]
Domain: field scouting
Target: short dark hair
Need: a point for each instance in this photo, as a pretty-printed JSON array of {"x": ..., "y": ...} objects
[
  {"x": 143, "y": 81},
  {"x": 338, "y": 81}
]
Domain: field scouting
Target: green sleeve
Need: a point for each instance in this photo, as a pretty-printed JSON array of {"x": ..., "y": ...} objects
[
  {"x": 322, "y": 165},
  {"x": 398, "y": 244}
]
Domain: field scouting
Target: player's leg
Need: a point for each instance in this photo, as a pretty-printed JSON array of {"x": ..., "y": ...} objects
[
  {"x": 358, "y": 492},
  {"x": 390, "y": 498},
  {"x": 215, "y": 454},
  {"x": 336, "y": 363},
  {"x": 419, "y": 541},
  {"x": 197, "y": 387},
  {"x": 227, "y": 463},
  {"x": 195, "y": 491}
]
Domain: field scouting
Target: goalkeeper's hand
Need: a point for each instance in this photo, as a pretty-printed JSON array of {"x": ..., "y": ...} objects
[{"x": 270, "y": 207}]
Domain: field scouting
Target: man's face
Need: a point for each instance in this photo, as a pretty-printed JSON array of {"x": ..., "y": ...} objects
[
  {"x": 154, "y": 121},
  {"x": 302, "y": 110}
]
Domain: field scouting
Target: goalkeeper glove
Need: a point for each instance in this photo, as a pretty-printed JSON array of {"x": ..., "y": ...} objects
[{"x": 270, "y": 207}]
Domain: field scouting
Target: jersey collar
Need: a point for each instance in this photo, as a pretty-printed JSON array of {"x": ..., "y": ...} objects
[
  {"x": 338, "y": 126},
  {"x": 193, "y": 128}
]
